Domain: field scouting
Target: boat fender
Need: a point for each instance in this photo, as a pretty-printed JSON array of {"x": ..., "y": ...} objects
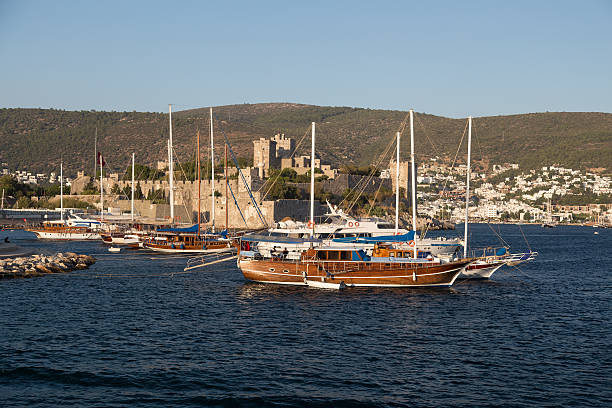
[
  {"x": 414, "y": 276},
  {"x": 172, "y": 246},
  {"x": 203, "y": 246},
  {"x": 182, "y": 246}
]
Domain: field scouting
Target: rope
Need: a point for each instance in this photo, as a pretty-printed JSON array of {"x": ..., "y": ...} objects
[
  {"x": 112, "y": 275},
  {"x": 426, "y": 227},
  {"x": 246, "y": 185},
  {"x": 363, "y": 183},
  {"x": 184, "y": 174},
  {"x": 279, "y": 173}
]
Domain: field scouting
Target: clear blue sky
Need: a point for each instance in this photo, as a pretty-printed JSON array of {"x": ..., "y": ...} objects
[{"x": 450, "y": 58}]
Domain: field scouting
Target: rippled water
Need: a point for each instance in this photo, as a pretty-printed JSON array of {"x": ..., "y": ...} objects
[{"x": 126, "y": 333}]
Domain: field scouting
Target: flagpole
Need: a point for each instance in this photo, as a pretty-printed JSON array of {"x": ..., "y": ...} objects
[{"x": 101, "y": 192}]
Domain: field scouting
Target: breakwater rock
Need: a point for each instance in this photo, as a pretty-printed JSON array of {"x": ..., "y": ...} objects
[{"x": 39, "y": 265}]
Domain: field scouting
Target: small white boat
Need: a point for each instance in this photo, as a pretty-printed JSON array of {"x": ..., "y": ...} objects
[
  {"x": 114, "y": 249},
  {"x": 325, "y": 285}
]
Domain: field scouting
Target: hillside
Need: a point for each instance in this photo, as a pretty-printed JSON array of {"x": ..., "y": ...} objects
[{"x": 36, "y": 139}]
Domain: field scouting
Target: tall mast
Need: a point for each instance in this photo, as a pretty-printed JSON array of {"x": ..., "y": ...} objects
[
  {"x": 413, "y": 176},
  {"x": 312, "y": 180},
  {"x": 95, "y": 153},
  {"x": 101, "y": 192},
  {"x": 226, "y": 200},
  {"x": 171, "y": 165},
  {"x": 212, "y": 174},
  {"x": 132, "y": 187},
  {"x": 61, "y": 192},
  {"x": 199, "y": 179},
  {"x": 467, "y": 188},
  {"x": 397, "y": 192}
]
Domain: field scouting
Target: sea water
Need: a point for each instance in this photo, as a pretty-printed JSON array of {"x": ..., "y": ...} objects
[{"x": 134, "y": 331}]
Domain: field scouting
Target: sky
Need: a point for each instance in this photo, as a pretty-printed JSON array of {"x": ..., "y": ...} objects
[{"x": 449, "y": 58}]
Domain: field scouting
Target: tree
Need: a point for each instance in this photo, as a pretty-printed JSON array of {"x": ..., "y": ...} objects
[{"x": 90, "y": 189}]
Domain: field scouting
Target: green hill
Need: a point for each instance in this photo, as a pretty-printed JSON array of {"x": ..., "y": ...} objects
[{"x": 37, "y": 139}]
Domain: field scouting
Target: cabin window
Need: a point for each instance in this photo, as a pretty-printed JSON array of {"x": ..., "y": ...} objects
[
  {"x": 271, "y": 269},
  {"x": 285, "y": 270},
  {"x": 345, "y": 255},
  {"x": 333, "y": 255}
]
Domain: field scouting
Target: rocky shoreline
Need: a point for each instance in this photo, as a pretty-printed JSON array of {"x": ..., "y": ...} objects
[{"x": 40, "y": 265}]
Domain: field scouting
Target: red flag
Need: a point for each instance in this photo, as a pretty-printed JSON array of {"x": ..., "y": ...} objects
[{"x": 100, "y": 158}]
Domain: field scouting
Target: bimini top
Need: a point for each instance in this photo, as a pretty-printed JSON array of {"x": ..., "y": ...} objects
[
  {"x": 409, "y": 236},
  {"x": 193, "y": 228}
]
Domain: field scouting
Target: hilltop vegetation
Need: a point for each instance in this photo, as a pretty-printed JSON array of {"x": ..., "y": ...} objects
[{"x": 37, "y": 139}]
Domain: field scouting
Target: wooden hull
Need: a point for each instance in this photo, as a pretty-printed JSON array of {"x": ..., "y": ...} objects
[
  {"x": 352, "y": 273},
  {"x": 169, "y": 248}
]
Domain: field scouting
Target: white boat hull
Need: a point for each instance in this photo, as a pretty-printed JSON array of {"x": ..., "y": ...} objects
[
  {"x": 481, "y": 271},
  {"x": 68, "y": 236}
]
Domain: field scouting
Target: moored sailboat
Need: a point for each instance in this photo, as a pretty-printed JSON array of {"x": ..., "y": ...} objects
[
  {"x": 345, "y": 266},
  {"x": 74, "y": 228},
  {"x": 486, "y": 264},
  {"x": 191, "y": 240}
]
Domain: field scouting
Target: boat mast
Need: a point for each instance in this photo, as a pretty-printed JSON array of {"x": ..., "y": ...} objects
[
  {"x": 312, "y": 179},
  {"x": 199, "y": 179},
  {"x": 171, "y": 165},
  {"x": 413, "y": 174},
  {"x": 132, "y": 188},
  {"x": 95, "y": 153},
  {"x": 226, "y": 200},
  {"x": 212, "y": 174},
  {"x": 61, "y": 192},
  {"x": 101, "y": 192},
  {"x": 397, "y": 192},
  {"x": 467, "y": 188}
]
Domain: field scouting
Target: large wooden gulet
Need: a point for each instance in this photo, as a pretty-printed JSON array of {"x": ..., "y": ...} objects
[{"x": 335, "y": 267}]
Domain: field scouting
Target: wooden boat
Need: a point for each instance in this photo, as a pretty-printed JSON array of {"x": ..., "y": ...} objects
[
  {"x": 74, "y": 228},
  {"x": 60, "y": 230},
  {"x": 347, "y": 266},
  {"x": 172, "y": 240},
  {"x": 192, "y": 240}
]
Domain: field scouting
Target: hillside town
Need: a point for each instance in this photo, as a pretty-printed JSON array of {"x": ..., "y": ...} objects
[{"x": 505, "y": 193}]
